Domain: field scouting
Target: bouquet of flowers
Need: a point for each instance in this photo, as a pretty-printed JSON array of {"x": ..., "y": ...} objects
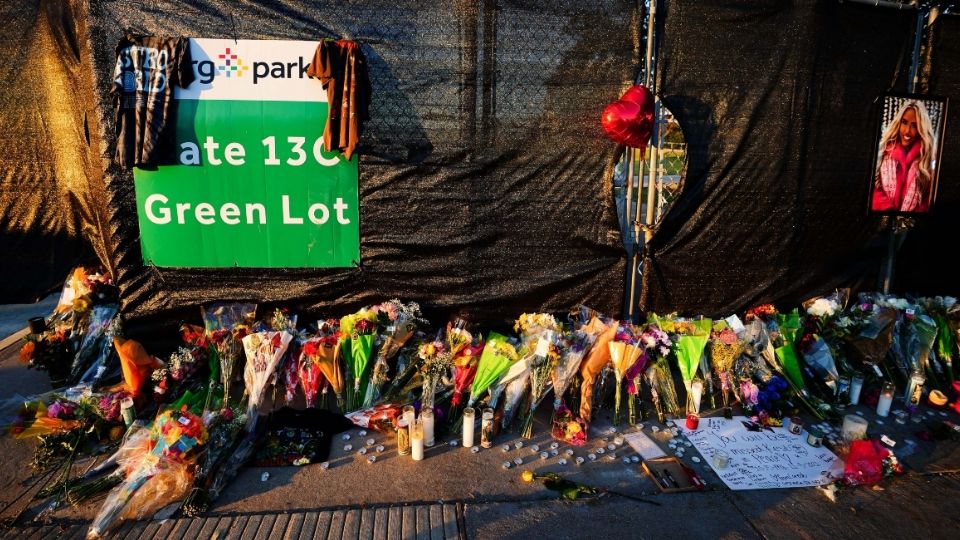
[
  {"x": 689, "y": 346},
  {"x": 224, "y": 428},
  {"x": 725, "y": 347},
  {"x": 656, "y": 344},
  {"x": 436, "y": 365},
  {"x": 95, "y": 347},
  {"x": 939, "y": 309},
  {"x": 225, "y": 326},
  {"x": 182, "y": 366},
  {"x": 574, "y": 345},
  {"x": 497, "y": 357},
  {"x": 322, "y": 353},
  {"x": 513, "y": 386},
  {"x": 567, "y": 428},
  {"x": 625, "y": 351},
  {"x": 661, "y": 388},
  {"x": 399, "y": 322},
  {"x": 51, "y": 352},
  {"x": 542, "y": 365},
  {"x": 264, "y": 351},
  {"x": 595, "y": 362},
  {"x": 358, "y": 333},
  {"x": 156, "y": 475}
]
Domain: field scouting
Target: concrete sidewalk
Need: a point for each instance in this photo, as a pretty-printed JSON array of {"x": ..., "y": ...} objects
[
  {"x": 909, "y": 507},
  {"x": 13, "y": 317}
]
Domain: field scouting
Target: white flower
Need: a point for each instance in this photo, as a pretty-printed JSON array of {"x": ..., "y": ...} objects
[{"x": 823, "y": 307}]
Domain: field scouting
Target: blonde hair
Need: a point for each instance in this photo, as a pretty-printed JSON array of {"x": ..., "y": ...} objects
[{"x": 927, "y": 145}]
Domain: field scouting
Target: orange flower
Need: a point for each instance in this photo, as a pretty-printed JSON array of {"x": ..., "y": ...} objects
[{"x": 26, "y": 352}]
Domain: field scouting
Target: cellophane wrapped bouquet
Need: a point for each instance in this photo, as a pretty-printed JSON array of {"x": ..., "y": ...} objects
[{"x": 157, "y": 470}]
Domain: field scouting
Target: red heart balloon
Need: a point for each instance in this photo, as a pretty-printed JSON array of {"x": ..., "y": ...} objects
[{"x": 629, "y": 120}]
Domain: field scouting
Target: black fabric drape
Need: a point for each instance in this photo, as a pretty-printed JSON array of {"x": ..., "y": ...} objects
[
  {"x": 923, "y": 262},
  {"x": 777, "y": 101},
  {"x": 484, "y": 173}
]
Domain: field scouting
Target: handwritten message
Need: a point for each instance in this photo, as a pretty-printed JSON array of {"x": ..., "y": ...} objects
[{"x": 763, "y": 459}]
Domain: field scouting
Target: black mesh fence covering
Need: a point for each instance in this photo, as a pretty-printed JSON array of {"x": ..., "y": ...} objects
[
  {"x": 484, "y": 173},
  {"x": 50, "y": 191},
  {"x": 777, "y": 101},
  {"x": 925, "y": 261}
]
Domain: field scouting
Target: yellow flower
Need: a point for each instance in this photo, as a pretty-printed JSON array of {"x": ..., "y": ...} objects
[
  {"x": 572, "y": 429},
  {"x": 81, "y": 304},
  {"x": 527, "y": 476}
]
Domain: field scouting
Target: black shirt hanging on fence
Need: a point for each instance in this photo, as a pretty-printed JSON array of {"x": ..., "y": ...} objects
[{"x": 147, "y": 69}]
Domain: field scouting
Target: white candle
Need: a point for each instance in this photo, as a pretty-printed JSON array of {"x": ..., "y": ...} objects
[
  {"x": 854, "y": 427},
  {"x": 886, "y": 399},
  {"x": 416, "y": 441},
  {"x": 696, "y": 393},
  {"x": 856, "y": 385},
  {"x": 468, "y": 415},
  {"x": 426, "y": 415}
]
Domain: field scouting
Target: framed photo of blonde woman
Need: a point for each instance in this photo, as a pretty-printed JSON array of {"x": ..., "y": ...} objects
[{"x": 906, "y": 156}]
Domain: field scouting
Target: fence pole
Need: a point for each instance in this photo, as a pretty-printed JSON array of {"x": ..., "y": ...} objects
[{"x": 898, "y": 225}]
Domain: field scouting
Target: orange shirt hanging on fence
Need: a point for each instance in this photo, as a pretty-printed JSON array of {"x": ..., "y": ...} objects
[{"x": 342, "y": 68}]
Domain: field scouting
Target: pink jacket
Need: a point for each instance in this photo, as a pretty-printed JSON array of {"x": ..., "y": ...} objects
[{"x": 898, "y": 181}]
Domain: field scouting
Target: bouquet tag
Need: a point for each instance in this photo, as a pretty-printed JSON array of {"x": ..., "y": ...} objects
[
  {"x": 877, "y": 369},
  {"x": 184, "y": 420},
  {"x": 735, "y": 324},
  {"x": 888, "y": 441},
  {"x": 543, "y": 347},
  {"x": 644, "y": 445}
]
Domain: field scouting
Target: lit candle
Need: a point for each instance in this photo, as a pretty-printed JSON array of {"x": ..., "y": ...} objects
[
  {"x": 409, "y": 414},
  {"x": 854, "y": 427},
  {"x": 486, "y": 428},
  {"x": 416, "y": 440},
  {"x": 696, "y": 393},
  {"x": 886, "y": 399},
  {"x": 468, "y": 415},
  {"x": 856, "y": 385},
  {"x": 426, "y": 416}
]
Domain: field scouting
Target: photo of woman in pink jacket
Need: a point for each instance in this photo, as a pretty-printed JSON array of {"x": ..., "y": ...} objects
[{"x": 905, "y": 175}]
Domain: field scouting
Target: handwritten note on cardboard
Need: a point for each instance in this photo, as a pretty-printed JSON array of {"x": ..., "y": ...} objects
[{"x": 764, "y": 459}]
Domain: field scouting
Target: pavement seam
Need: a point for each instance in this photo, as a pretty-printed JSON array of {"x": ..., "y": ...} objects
[{"x": 461, "y": 521}]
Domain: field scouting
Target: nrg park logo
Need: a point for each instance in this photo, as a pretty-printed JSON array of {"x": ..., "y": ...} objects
[{"x": 229, "y": 64}]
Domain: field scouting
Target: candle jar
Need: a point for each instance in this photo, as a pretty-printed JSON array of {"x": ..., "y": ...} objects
[
  {"x": 486, "y": 428},
  {"x": 796, "y": 425},
  {"x": 843, "y": 391},
  {"x": 886, "y": 399},
  {"x": 37, "y": 325},
  {"x": 426, "y": 416},
  {"x": 693, "y": 421},
  {"x": 815, "y": 437},
  {"x": 856, "y": 385},
  {"x": 854, "y": 428},
  {"x": 721, "y": 459},
  {"x": 468, "y": 415},
  {"x": 915, "y": 388},
  {"x": 403, "y": 437},
  {"x": 416, "y": 441}
]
